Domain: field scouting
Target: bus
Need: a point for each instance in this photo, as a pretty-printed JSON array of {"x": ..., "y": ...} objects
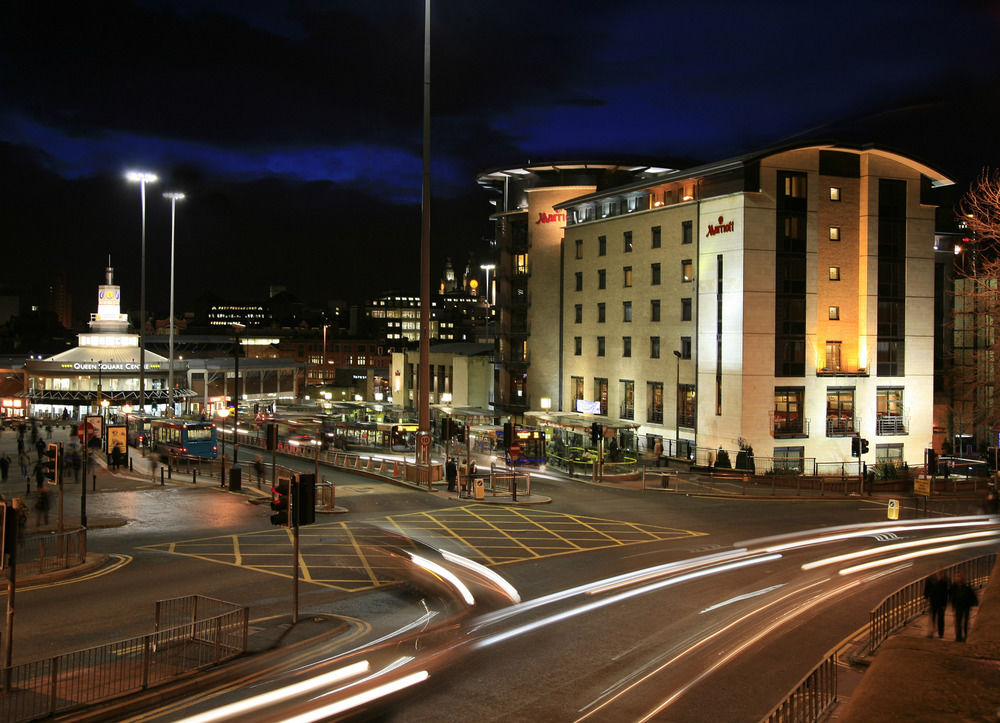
[
  {"x": 138, "y": 431},
  {"x": 185, "y": 438}
]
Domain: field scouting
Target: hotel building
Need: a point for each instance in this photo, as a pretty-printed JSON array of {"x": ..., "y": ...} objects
[{"x": 782, "y": 299}]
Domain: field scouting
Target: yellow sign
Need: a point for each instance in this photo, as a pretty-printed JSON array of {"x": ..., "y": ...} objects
[
  {"x": 893, "y": 509},
  {"x": 922, "y": 486},
  {"x": 117, "y": 438}
]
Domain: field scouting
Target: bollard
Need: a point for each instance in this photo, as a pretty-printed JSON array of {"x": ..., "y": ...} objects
[
  {"x": 170, "y": 472},
  {"x": 194, "y": 476},
  {"x": 130, "y": 463},
  {"x": 95, "y": 483},
  {"x": 161, "y": 476}
]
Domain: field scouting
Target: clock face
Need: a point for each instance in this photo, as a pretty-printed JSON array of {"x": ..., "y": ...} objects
[{"x": 100, "y": 294}]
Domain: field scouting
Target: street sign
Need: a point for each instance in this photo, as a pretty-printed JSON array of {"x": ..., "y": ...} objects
[
  {"x": 424, "y": 439},
  {"x": 922, "y": 486},
  {"x": 893, "y": 509},
  {"x": 515, "y": 449}
]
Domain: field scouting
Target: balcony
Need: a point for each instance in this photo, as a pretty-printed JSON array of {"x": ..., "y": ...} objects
[
  {"x": 842, "y": 426},
  {"x": 891, "y": 424},
  {"x": 788, "y": 427}
]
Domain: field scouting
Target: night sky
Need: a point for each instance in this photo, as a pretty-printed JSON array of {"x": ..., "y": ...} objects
[{"x": 295, "y": 126}]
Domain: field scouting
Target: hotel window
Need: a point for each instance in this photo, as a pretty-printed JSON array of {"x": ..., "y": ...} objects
[
  {"x": 654, "y": 347},
  {"x": 656, "y": 237},
  {"x": 628, "y": 242},
  {"x": 654, "y": 402},
  {"x": 626, "y": 346},
  {"x": 626, "y": 392},
  {"x": 626, "y": 311},
  {"x": 788, "y": 406},
  {"x": 578, "y": 314},
  {"x": 834, "y": 273},
  {"x": 889, "y": 453},
  {"x": 687, "y": 270},
  {"x": 685, "y": 309},
  {"x": 601, "y": 309},
  {"x": 602, "y": 245},
  {"x": 795, "y": 185},
  {"x": 655, "y": 274},
  {"x": 687, "y": 232},
  {"x": 579, "y": 281},
  {"x": 576, "y": 384},
  {"x": 832, "y": 356},
  {"x": 654, "y": 310},
  {"x": 834, "y": 313},
  {"x": 889, "y": 411},
  {"x": 686, "y": 406},
  {"x": 628, "y": 276},
  {"x": 579, "y": 248},
  {"x": 839, "y": 412},
  {"x": 685, "y": 347},
  {"x": 834, "y": 193},
  {"x": 601, "y": 393},
  {"x": 577, "y": 345},
  {"x": 600, "y": 346},
  {"x": 835, "y": 233},
  {"x": 602, "y": 279}
]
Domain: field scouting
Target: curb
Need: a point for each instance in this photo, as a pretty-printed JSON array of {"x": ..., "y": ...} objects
[{"x": 94, "y": 561}]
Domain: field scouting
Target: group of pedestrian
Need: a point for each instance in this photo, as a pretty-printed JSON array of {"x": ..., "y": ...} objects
[{"x": 938, "y": 592}]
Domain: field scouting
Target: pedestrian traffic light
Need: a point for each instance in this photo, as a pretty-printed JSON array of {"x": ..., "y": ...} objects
[
  {"x": 460, "y": 432},
  {"x": 595, "y": 432},
  {"x": 279, "y": 503},
  {"x": 508, "y": 434},
  {"x": 305, "y": 500},
  {"x": 855, "y": 446},
  {"x": 864, "y": 446},
  {"x": 52, "y": 463}
]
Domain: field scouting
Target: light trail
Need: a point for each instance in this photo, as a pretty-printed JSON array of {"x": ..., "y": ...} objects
[
  {"x": 913, "y": 555},
  {"x": 896, "y": 546}
]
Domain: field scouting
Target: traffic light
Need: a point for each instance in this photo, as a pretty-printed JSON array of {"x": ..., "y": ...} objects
[
  {"x": 596, "y": 431},
  {"x": 855, "y": 446},
  {"x": 508, "y": 434},
  {"x": 52, "y": 463},
  {"x": 305, "y": 500},
  {"x": 272, "y": 436},
  {"x": 446, "y": 428},
  {"x": 864, "y": 446},
  {"x": 279, "y": 503},
  {"x": 460, "y": 432}
]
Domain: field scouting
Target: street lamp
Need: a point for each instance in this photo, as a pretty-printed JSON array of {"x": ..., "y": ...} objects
[
  {"x": 489, "y": 310},
  {"x": 174, "y": 197},
  {"x": 127, "y": 409},
  {"x": 237, "y": 328},
  {"x": 105, "y": 403},
  {"x": 142, "y": 178},
  {"x": 325, "y": 327},
  {"x": 223, "y": 413},
  {"x": 677, "y": 407}
]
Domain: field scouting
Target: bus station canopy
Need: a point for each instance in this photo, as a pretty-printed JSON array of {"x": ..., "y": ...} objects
[{"x": 579, "y": 421}]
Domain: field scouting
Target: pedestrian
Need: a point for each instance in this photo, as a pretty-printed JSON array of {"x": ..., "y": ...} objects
[
  {"x": 40, "y": 446},
  {"x": 963, "y": 598},
  {"x": 23, "y": 459},
  {"x": 39, "y": 476},
  {"x": 258, "y": 467},
  {"x": 4, "y": 466},
  {"x": 42, "y": 505},
  {"x": 20, "y": 444},
  {"x": 936, "y": 594},
  {"x": 451, "y": 474},
  {"x": 75, "y": 463},
  {"x": 116, "y": 457},
  {"x": 48, "y": 430}
]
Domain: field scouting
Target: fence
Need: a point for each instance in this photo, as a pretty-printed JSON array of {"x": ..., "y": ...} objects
[
  {"x": 908, "y": 603},
  {"x": 50, "y": 551},
  {"x": 192, "y": 633},
  {"x": 812, "y": 697}
]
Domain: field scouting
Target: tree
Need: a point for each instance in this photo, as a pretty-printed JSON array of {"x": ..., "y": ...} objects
[{"x": 975, "y": 395}]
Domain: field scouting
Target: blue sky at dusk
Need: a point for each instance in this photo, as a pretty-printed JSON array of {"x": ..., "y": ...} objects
[{"x": 298, "y": 114}]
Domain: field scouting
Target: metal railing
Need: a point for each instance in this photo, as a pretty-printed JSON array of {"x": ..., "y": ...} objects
[
  {"x": 814, "y": 695},
  {"x": 50, "y": 551},
  {"x": 908, "y": 602},
  {"x": 201, "y": 632}
]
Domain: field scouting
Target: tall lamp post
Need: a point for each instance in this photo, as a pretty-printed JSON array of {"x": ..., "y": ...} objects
[
  {"x": 325, "y": 327},
  {"x": 237, "y": 328},
  {"x": 489, "y": 305},
  {"x": 174, "y": 197},
  {"x": 677, "y": 407},
  {"x": 142, "y": 178}
]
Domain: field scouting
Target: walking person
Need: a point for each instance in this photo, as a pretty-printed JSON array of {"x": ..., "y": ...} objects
[
  {"x": 4, "y": 466},
  {"x": 39, "y": 476},
  {"x": 451, "y": 474},
  {"x": 23, "y": 459},
  {"x": 116, "y": 457},
  {"x": 936, "y": 594},
  {"x": 42, "y": 505},
  {"x": 963, "y": 598}
]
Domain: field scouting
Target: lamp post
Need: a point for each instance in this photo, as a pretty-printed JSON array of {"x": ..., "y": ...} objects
[
  {"x": 104, "y": 420},
  {"x": 127, "y": 409},
  {"x": 489, "y": 306},
  {"x": 223, "y": 413},
  {"x": 237, "y": 328},
  {"x": 174, "y": 197},
  {"x": 677, "y": 406},
  {"x": 325, "y": 327},
  {"x": 142, "y": 178}
]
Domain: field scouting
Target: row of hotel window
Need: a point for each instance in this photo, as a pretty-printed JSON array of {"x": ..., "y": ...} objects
[
  {"x": 686, "y": 400},
  {"x": 687, "y": 275},
  {"x": 789, "y": 420},
  {"x": 687, "y": 236},
  {"x": 654, "y": 346},
  {"x": 654, "y": 311}
]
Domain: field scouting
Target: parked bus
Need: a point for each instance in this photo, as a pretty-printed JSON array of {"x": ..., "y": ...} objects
[
  {"x": 139, "y": 431},
  {"x": 181, "y": 437}
]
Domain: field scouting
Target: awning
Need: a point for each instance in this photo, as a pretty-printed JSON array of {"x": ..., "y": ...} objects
[
  {"x": 115, "y": 398},
  {"x": 580, "y": 421}
]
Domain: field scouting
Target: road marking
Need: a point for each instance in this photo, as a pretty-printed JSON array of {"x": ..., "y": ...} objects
[{"x": 120, "y": 562}]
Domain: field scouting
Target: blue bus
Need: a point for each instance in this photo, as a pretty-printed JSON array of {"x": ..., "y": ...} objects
[{"x": 185, "y": 438}]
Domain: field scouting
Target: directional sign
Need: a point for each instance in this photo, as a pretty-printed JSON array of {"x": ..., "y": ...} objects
[{"x": 922, "y": 486}]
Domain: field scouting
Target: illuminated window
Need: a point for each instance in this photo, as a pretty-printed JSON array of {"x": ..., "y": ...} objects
[
  {"x": 520, "y": 263},
  {"x": 795, "y": 185},
  {"x": 835, "y": 233},
  {"x": 834, "y": 273},
  {"x": 834, "y": 193},
  {"x": 628, "y": 276},
  {"x": 687, "y": 270},
  {"x": 832, "y": 355},
  {"x": 834, "y": 313},
  {"x": 628, "y": 242}
]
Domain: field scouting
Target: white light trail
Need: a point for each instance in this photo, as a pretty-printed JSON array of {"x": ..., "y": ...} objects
[
  {"x": 913, "y": 555},
  {"x": 738, "y": 598},
  {"x": 445, "y": 574},
  {"x": 485, "y": 572},
  {"x": 341, "y": 706},
  {"x": 897, "y": 546}
]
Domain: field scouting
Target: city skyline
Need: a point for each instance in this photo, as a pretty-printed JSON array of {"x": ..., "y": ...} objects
[{"x": 300, "y": 173}]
